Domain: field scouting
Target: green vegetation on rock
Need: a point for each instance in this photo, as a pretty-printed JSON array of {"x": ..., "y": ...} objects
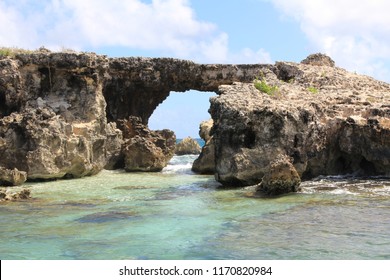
[{"x": 262, "y": 86}]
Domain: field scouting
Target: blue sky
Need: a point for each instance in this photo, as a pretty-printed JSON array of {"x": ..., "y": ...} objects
[{"x": 356, "y": 34}]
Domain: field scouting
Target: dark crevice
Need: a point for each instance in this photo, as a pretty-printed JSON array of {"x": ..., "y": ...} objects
[{"x": 3, "y": 106}]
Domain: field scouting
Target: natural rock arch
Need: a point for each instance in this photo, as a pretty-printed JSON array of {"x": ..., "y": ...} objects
[{"x": 136, "y": 86}]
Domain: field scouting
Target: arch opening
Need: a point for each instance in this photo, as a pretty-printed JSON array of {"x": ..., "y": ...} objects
[{"x": 182, "y": 112}]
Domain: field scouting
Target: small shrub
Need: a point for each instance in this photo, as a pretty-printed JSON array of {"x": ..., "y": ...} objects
[
  {"x": 313, "y": 90},
  {"x": 11, "y": 52},
  {"x": 262, "y": 86}
]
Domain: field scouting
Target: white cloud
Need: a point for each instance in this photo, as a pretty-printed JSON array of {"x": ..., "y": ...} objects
[
  {"x": 356, "y": 34},
  {"x": 168, "y": 26}
]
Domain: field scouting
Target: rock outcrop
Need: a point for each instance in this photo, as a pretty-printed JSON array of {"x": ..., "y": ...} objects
[
  {"x": 187, "y": 146},
  {"x": 205, "y": 163},
  {"x": 59, "y": 114},
  {"x": 6, "y": 194},
  {"x": 280, "y": 177},
  {"x": 53, "y": 122},
  {"x": 144, "y": 149},
  {"x": 328, "y": 120},
  {"x": 58, "y": 111},
  {"x": 12, "y": 177}
]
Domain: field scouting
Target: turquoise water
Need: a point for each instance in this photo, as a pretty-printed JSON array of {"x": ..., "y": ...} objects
[{"x": 176, "y": 214}]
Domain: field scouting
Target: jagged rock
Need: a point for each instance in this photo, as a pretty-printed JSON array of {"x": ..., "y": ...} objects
[
  {"x": 187, "y": 146},
  {"x": 58, "y": 110},
  {"x": 205, "y": 163},
  {"x": 205, "y": 130},
  {"x": 53, "y": 121},
  {"x": 57, "y": 114},
  {"x": 318, "y": 59},
  {"x": 328, "y": 120},
  {"x": 280, "y": 178},
  {"x": 12, "y": 177},
  {"x": 8, "y": 195},
  {"x": 144, "y": 149}
]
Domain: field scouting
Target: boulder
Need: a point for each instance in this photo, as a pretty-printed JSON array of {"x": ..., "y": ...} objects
[
  {"x": 12, "y": 177},
  {"x": 318, "y": 59},
  {"x": 281, "y": 177},
  {"x": 21, "y": 194},
  {"x": 187, "y": 146},
  {"x": 205, "y": 163},
  {"x": 144, "y": 149}
]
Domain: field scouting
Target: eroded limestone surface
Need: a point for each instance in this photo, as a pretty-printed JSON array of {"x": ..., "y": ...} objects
[{"x": 328, "y": 120}]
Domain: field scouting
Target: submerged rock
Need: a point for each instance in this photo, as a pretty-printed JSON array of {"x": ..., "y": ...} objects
[
  {"x": 205, "y": 163},
  {"x": 187, "y": 146},
  {"x": 105, "y": 217}
]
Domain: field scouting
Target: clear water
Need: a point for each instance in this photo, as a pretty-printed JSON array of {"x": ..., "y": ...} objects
[{"x": 176, "y": 214}]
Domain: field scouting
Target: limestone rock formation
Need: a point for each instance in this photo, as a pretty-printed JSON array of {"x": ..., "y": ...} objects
[
  {"x": 12, "y": 177},
  {"x": 58, "y": 111},
  {"x": 281, "y": 177},
  {"x": 53, "y": 121},
  {"x": 59, "y": 114},
  {"x": 205, "y": 163},
  {"x": 319, "y": 59},
  {"x": 328, "y": 120},
  {"x": 11, "y": 195},
  {"x": 187, "y": 146},
  {"x": 144, "y": 149}
]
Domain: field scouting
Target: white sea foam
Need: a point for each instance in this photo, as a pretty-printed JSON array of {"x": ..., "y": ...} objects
[{"x": 180, "y": 165}]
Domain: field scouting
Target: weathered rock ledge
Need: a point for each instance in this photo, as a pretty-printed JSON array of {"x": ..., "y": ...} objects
[{"x": 327, "y": 120}]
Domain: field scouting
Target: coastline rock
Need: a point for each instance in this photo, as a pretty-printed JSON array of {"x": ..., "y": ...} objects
[
  {"x": 12, "y": 177},
  {"x": 144, "y": 149},
  {"x": 187, "y": 146},
  {"x": 52, "y": 115},
  {"x": 7, "y": 195},
  {"x": 328, "y": 120},
  {"x": 280, "y": 178},
  {"x": 58, "y": 111},
  {"x": 205, "y": 163}
]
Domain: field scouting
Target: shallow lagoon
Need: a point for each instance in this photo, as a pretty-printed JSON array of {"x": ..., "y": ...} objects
[{"x": 176, "y": 214}]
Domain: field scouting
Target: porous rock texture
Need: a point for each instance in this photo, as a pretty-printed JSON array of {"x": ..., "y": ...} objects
[
  {"x": 52, "y": 115},
  {"x": 280, "y": 178},
  {"x": 187, "y": 146},
  {"x": 328, "y": 120},
  {"x": 205, "y": 163},
  {"x": 144, "y": 149},
  {"x": 61, "y": 114},
  {"x": 6, "y": 194},
  {"x": 12, "y": 177}
]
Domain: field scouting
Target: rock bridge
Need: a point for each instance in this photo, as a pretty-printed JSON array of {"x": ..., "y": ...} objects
[
  {"x": 138, "y": 85},
  {"x": 60, "y": 112}
]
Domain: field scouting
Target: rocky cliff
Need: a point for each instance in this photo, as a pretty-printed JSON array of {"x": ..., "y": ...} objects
[
  {"x": 325, "y": 120},
  {"x": 65, "y": 115},
  {"x": 53, "y": 122},
  {"x": 60, "y": 112}
]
